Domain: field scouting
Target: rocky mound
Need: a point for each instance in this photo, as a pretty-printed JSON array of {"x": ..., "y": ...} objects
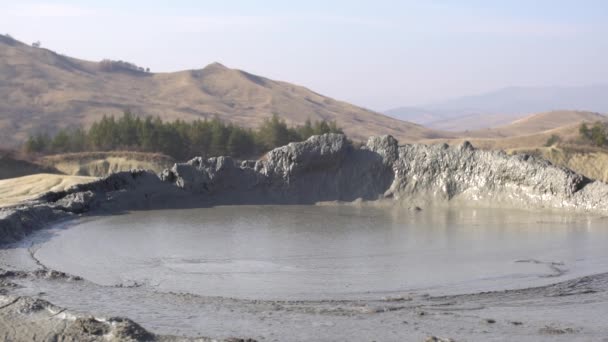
[
  {"x": 327, "y": 168},
  {"x": 323, "y": 168}
]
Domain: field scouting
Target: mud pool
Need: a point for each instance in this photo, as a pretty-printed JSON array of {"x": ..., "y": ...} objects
[
  {"x": 318, "y": 252},
  {"x": 333, "y": 272}
]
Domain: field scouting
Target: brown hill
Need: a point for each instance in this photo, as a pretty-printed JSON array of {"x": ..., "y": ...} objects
[
  {"x": 473, "y": 122},
  {"x": 530, "y": 132},
  {"x": 43, "y": 91},
  {"x": 538, "y": 123}
]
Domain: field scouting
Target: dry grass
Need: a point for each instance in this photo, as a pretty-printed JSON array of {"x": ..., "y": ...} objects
[
  {"x": 528, "y": 133},
  {"x": 591, "y": 162},
  {"x": 472, "y": 122},
  {"x": 43, "y": 91},
  {"x": 100, "y": 164},
  {"x": 537, "y": 124},
  {"x": 517, "y": 142},
  {"x": 29, "y": 180},
  {"x": 15, "y": 190},
  {"x": 141, "y": 156}
]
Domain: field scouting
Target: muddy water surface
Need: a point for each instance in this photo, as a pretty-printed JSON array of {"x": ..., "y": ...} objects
[{"x": 317, "y": 252}]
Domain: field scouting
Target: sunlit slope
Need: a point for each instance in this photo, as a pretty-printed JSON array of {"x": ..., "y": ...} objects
[
  {"x": 43, "y": 91},
  {"x": 15, "y": 190},
  {"x": 101, "y": 164}
]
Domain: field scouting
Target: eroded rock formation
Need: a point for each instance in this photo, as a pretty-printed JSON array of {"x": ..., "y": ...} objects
[
  {"x": 323, "y": 168},
  {"x": 328, "y": 167}
]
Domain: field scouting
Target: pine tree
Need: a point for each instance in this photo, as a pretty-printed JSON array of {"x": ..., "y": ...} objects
[{"x": 179, "y": 139}]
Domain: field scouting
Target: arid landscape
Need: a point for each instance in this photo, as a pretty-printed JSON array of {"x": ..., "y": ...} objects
[
  {"x": 386, "y": 171},
  {"x": 70, "y": 92},
  {"x": 45, "y": 91}
]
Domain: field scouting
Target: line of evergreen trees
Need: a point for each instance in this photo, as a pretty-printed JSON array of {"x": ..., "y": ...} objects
[{"x": 178, "y": 139}]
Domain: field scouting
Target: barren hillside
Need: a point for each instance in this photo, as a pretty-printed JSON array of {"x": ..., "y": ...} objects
[
  {"x": 15, "y": 190},
  {"x": 500, "y": 107},
  {"x": 43, "y": 91},
  {"x": 529, "y": 132},
  {"x": 101, "y": 164},
  {"x": 538, "y": 123}
]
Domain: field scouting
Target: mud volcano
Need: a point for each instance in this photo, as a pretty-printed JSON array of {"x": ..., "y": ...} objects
[{"x": 319, "y": 240}]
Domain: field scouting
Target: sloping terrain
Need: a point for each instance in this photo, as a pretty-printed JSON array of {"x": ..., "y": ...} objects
[
  {"x": 101, "y": 164},
  {"x": 529, "y": 132},
  {"x": 22, "y": 180},
  {"x": 539, "y": 123},
  {"x": 11, "y": 167},
  {"x": 503, "y": 106},
  {"x": 15, "y": 190},
  {"x": 473, "y": 122},
  {"x": 43, "y": 91}
]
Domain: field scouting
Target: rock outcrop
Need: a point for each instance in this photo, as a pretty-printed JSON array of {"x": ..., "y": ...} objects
[
  {"x": 328, "y": 168},
  {"x": 322, "y": 168}
]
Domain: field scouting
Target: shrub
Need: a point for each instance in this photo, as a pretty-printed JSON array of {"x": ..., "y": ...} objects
[{"x": 553, "y": 139}]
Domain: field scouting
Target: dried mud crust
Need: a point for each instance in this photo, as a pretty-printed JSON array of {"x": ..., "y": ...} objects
[
  {"x": 30, "y": 319},
  {"x": 554, "y": 312}
]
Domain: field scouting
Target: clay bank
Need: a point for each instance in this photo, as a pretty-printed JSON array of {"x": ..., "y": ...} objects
[{"x": 326, "y": 168}]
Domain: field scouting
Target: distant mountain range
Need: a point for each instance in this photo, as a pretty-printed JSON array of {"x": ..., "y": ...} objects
[
  {"x": 42, "y": 91},
  {"x": 503, "y": 106}
]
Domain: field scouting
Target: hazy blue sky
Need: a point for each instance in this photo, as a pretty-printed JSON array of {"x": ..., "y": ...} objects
[{"x": 377, "y": 54}]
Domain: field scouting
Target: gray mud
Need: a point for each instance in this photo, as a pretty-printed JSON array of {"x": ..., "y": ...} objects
[
  {"x": 325, "y": 252},
  {"x": 569, "y": 307},
  {"x": 324, "y": 168},
  {"x": 568, "y": 311}
]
